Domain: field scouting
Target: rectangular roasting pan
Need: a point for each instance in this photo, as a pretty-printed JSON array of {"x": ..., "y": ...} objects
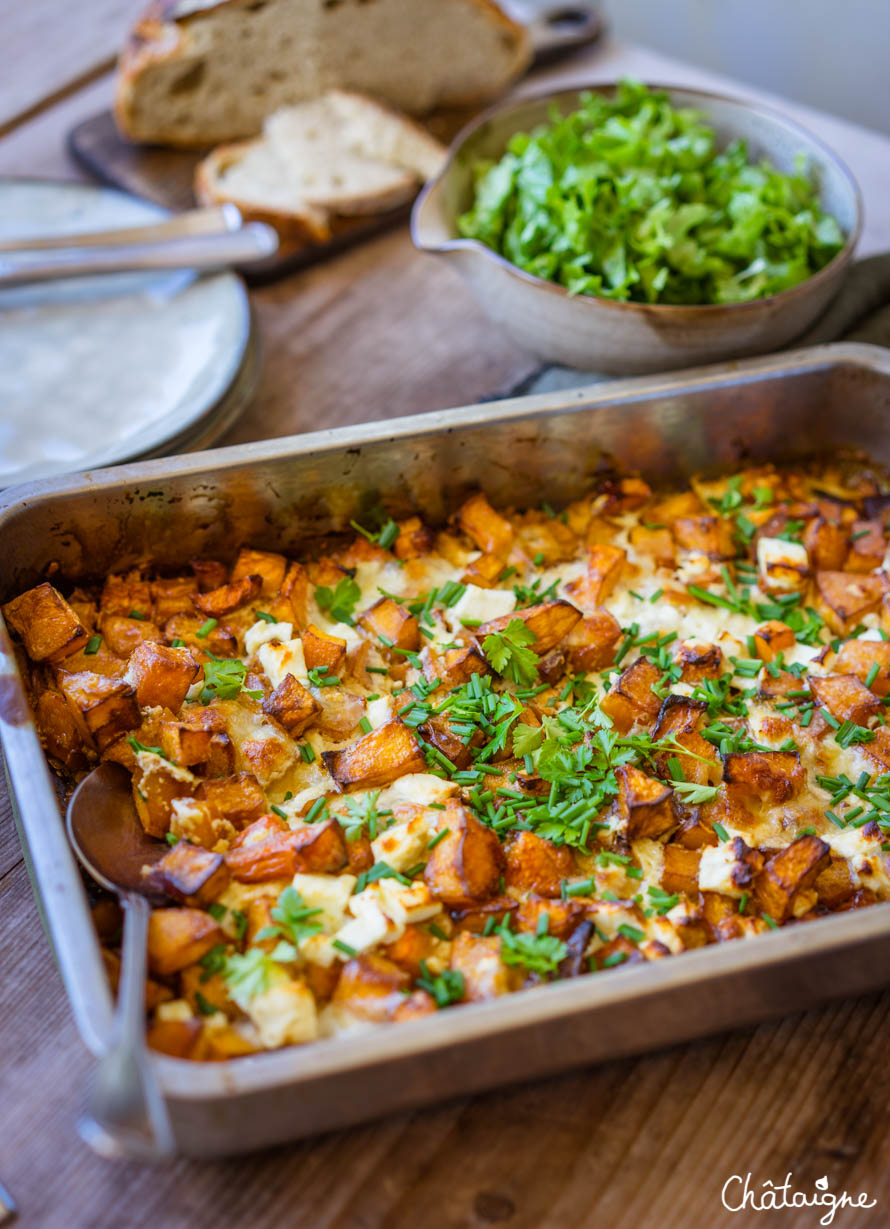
[{"x": 280, "y": 493}]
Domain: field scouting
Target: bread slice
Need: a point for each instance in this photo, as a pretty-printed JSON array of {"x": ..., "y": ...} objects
[
  {"x": 194, "y": 74},
  {"x": 339, "y": 155}
]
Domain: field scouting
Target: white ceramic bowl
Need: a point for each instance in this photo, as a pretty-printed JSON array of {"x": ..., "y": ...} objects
[{"x": 603, "y": 334}]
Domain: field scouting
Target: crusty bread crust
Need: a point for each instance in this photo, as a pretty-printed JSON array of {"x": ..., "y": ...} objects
[{"x": 161, "y": 38}]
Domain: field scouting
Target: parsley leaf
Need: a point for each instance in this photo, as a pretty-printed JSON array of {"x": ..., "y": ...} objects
[
  {"x": 447, "y": 988},
  {"x": 539, "y": 952},
  {"x": 293, "y": 918},
  {"x": 510, "y": 655},
  {"x": 339, "y": 602}
]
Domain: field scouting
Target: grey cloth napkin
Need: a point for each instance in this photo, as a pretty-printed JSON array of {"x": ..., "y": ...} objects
[{"x": 861, "y": 312}]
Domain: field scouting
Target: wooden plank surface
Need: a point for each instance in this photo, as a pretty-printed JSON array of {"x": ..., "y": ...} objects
[
  {"x": 49, "y": 48},
  {"x": 382, "y": 330}
]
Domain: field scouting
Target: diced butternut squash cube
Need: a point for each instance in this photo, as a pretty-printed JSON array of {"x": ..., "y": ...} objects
[
  {"x": 292, "y": 706},
  {"x": 379, "y": 758},
  {"x": 537, "y": 865},
  {"x": 456, "y": 666},
  {"x": 371, "y": 987},
  {"x": 161, "y": 675},
  {"x": 268, "y": 850},
  {"x": 175, "y": 1038},
  {"x": 644, "y": 805},
  {"x": 657, "y": 543},
  {"x": 180, "y": 937},
  {"x": 844, "y": 597},
  {"x": 550, "y": 622},
  {"x": 466, "y": 865},
  {"x": 48, "y": 626},
  {"x": 772, "y": 638},
  {"x": 485, "y": 527},
  {"x": 190, "y": 874},
  {"x": 392, "y": 623},
  {"x": 788, "y": 874},
  {"x": 483, "y": 572},
  {"x": 126, "y": 594},
  {"x": 321, "y": 650},
  {"x": 218, "y": 641},
  {"x": 415, "y": 539},
  {"x": 773, "y": 776},
  {"x": 123, "y": 635},
  {"x": 60, "y": 731},
  {"x": 859, "y": 657},
  {"x": 229, "y": 597},
  {"x": 103, "y": 707},
  {"x": 631, "y": 698},
  {"x": 680, "y": 869},
  {"x": 592, "y": 643},
  {"x": 699, "y": 661},
  {"x": 827, "y": 544},
  {"x": 269, "y": 566},
  {"x": 237, "y": 798},
  {"x": 845, "y": 696},
  {"x": 156, "y": 786},
  {"x": 478, "y": 960},
  {"x": 605, "y": 564},
  {"x": 867, "y": 547},
  {"x": 172, "y": 596},
  {"x": 706, "y": 535}
]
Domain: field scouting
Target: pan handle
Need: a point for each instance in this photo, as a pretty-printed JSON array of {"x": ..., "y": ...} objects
[{"x": 559, "y": 28}]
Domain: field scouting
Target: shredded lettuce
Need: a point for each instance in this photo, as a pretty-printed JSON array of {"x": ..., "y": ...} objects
[{"x": 628, "y": 198}]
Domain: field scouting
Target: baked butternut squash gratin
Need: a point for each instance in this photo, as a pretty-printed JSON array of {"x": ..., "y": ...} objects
[{"x": 427, "y": 768}]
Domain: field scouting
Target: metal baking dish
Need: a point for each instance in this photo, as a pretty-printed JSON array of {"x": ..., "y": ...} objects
[{"x": 280, "y": 493}]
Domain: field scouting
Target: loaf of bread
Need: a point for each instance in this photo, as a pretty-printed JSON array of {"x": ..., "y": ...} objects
[
  {"x": 194, "y": 74},
  {"x": 340, "y": 155}
]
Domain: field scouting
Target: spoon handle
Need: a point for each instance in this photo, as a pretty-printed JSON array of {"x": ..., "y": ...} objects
[{"x": 125, "y": 1115}]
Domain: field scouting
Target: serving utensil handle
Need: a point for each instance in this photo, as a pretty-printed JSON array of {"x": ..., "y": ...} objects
[
  {"x": 252, "y": 242},
  {"x": 125, "y": 1114}
]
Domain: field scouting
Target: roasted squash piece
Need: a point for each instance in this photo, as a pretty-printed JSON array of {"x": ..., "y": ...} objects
[
  {"x": 680, "y": 869},
  {"x": 465, "y": 865},
  {"x": 845, "y": 696},
  {"x": 379, "y": 758},
  {"x": 229, "y": 597},
  {"x": 772, "y": 638},
  {"x": 483, "y": 914},
  {"x": 321, "y": 650},
  {"x": 844, "y": 597},
  {"x": 454, "y": 747},
  {"x": 414, "y": 944},
  {"x": 772, "y": 776},
  {"x": 827, "y": 544},
  {"x": 161, "y": 675},
  {"x": 644, "y": 805},
  {"x": 483, "y": 572},
  {"x": 605, "y": 564},
  {"x": 126, "y": 594},
  {"x": 478, "y": 960},
  {"x": 48, "y": 626},
  {"x": 415, "y": 539},
  {"x": 209, "y": 573},
  {"x": 706, "y": 535},
  {"x": 175, "y": 1038},
  {"x": 617, "y": 495},
  {"x": 559, "y": 917},
  {"x": 180, "y": 937},
  {"x": 59, "y": 730},
  {"x": 171, "y": 596},
  {"x": 237, "y": 798},
  {"x": 788, "y": 875},
  {"x": 860, "y": 656},
  {"x": 268, "y": 565},
  {"x": 835, "y": 885},
  {"x": 455, "y": 666},
  {"x": 617, "y": 953},
  {"x": 657, "y": 542},
  {"x": 291, "y": 604},
  {"x": 189, "y": 874},
  {"x": 392, "y": 623},
  {"x": 867, "y": 547},
  {"x": 103, "y": 707},
  {"x": 292, "y": 706},
  {"x": 550, "y": 622},
  {"x": 485, "y": 527},
  {"x": 218, "y": 641},
  {"x": 537, "y": 865},
  {"x": 157, "y": 784},
  {"x": 699, "y": 661},
  {"x": 123, "y": 635},
  {"x": 631, "y": 697},
  {"x": 592, "y": 643},
  {"x": 371, "y": 987},
  {"x": 267, "y": 849}
]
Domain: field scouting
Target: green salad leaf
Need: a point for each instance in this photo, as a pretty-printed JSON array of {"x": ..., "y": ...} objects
[{"x": 628, "y": 198}]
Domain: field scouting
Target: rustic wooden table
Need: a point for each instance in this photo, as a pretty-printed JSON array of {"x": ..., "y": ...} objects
[{"x": 380, "y": 331}]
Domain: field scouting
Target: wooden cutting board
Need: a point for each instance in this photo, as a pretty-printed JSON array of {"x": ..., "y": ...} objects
[{"x": 165, "y": 176}]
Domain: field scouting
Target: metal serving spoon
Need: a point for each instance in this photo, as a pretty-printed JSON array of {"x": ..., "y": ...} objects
[{"x": 125, "y": 1113}]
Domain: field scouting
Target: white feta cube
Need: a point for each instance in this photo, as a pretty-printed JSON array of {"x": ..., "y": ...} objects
[{"x": 262, "y": 632}]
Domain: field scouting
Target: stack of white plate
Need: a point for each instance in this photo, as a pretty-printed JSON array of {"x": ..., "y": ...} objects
[{"x": 95, "y": 371}]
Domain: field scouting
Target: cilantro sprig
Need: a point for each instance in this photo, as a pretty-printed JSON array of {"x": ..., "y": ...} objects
[{"x": 510, "y": 654}]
